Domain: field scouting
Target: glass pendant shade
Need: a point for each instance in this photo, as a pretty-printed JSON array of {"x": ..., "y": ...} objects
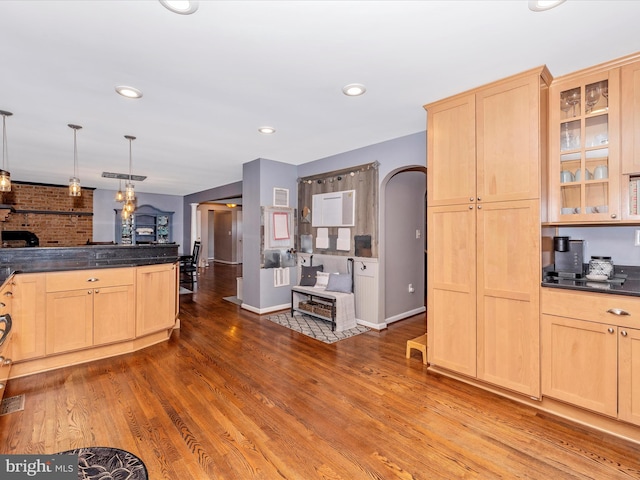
[
  {"x": 129, "y": 206},
  {"x": 74, "y": 187},
  {"x": 5, "y": 176},
  {"x": 129, "y": 192},
  {"x": 74, "y": 182},
  {"x": 124, "y": 214},
  {"x": 119, "y": 194},
  {"x": 5, "y": 181}
]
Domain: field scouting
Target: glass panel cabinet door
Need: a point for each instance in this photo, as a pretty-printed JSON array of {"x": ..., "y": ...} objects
[{"x": 584, "y": 163}]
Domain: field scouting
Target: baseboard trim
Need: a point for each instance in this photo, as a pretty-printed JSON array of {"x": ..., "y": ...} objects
[
  {"x": 262, "y": 311},
  {"x": 404, "y": 315}
]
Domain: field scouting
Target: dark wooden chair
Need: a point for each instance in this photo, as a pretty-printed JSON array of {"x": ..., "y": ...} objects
[{"x": 189, "y": 266}]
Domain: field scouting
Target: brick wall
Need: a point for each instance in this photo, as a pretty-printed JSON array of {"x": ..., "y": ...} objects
[{"x": 57, "y": 219}]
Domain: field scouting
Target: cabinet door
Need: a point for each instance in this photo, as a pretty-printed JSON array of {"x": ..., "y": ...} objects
[
  {"x": 69, "y": 321},
  {"x": 630, "y": 112},
  {"x": 29, "y": 313},
  {"x": 508, "y": 140},
  {"x": 508, "y": 294},
  {"x": 113, "y": 314},
  {"x": 451, "y": 296},
  {"x": 584, "y": 173},
  {"x": 155, "y": 306},
  {"x": 629, "y": 375},
  {"x": 580, "y": 363},
  {"x": 451, "y": 151}
]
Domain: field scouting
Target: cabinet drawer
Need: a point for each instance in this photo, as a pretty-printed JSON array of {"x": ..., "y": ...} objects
[
  {"x": 107, "y": 277},
  {"x": 595, "y": 307}
]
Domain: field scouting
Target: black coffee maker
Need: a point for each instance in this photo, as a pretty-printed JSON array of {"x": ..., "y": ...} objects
[{"x": 569, "y": 257}]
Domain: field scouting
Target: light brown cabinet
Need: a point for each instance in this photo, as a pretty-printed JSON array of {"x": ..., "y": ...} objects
[
  {"x": 7, "y": 336},
  {"x": 584, "y": 143},
  {"x": 29, "y": 309},
  {"x": 485, "y": 160},
  {"x": 89, "y": 307},
  {"x": 590, "y": 352},
  {"x": 155, "y": 310}
]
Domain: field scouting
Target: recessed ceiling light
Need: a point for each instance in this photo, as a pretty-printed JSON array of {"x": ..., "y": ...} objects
[
  {"x": 183, "y": 7},
  {"x": 128, "y": 92},
  {"x": 354, "y": 89},
  {"x": 542, "y": 5},
  {"x": 267, "y": 130}
]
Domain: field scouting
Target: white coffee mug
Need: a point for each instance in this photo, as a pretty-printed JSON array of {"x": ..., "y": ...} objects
[
  {"x": 600, "y": 172},
  {"x": 566, "y": 176},
  {"x": 578, "y": 175}
]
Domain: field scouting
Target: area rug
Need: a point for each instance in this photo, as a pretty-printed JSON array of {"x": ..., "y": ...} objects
[
  {"x": 235, "y": 300},
  {"x": 314, "y": 327},
  {"x": 184, "y": 290},
  {"x": 108, "y": 463}
]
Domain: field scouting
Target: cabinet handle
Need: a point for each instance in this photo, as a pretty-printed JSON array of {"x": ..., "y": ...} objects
[
  {"x": 2, "y": 304},
  {"x": 1, "y": 386},
  {"x": 89, "y": 292},
  {"x": 5, "y": 361},
  {"x": 623, "y": 333},
  {"x": 8, "y": 294},
  {"x": 618, "y": 311},
  {"x": 613, "y": 215},
  {"x": 479, "y": 199},
  {"x": 479, "y": 207},
  {"x": 471, "y": 199},
  {"x": 97, "y": 291},
  {"x": 470, "y": 207},
  {"x": 610, "y": 330},
  {"x": 92, "y": 279}
]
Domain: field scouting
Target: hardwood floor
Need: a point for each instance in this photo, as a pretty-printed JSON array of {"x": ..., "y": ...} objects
[{"x": 235, "y": 396}]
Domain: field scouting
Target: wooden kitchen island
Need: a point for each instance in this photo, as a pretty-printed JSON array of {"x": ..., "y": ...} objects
[{"x": 78, "y": 304}]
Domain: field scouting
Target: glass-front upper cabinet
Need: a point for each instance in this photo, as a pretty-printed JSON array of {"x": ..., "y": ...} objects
[{"x": 584, "y": 154}]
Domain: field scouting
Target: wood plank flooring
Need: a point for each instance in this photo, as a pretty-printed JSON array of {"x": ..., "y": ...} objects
[{"x": 235, "y": 396}]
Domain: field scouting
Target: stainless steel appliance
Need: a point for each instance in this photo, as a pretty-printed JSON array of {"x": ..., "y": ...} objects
[{"x": 569, "y": 259}]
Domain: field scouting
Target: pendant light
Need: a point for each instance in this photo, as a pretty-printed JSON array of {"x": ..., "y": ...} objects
[
  {"x": 74, "y": 182},
  {"x": 119, "y": 195},
  {"x": 5, "y": 176},
  {"x": 129, "y": 192}
]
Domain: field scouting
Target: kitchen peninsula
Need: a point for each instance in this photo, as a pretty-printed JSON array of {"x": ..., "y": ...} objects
[{"x": 72, "y": 305}]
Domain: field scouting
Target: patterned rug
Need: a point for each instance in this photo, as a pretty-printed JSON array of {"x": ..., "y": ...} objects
[
  {"x": 314, "y": 327},
  {"x": 102, "y": 463}
]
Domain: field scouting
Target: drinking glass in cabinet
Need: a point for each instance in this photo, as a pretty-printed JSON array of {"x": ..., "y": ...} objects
[
  {"x": 570, "y": 102},
  {"x": 570, "y": 135},
  {"x": 592, "y": 97},
  {"x": 597, "y": 97}
]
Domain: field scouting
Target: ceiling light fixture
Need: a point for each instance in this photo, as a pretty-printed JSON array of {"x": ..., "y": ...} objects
[
  {"x": 354, "y": 89},
  {"x": 183, "y": 7},
  {"x": 267, "y": 130},
  {"x": 128, "y": 92},
  {"x": 5, "y": 176},
  {"x": 129, "y": 192},
  {"x": 74, "y": 182},
  {"x": 119, "y": 195},
  {"x": 542, "y": 5}
]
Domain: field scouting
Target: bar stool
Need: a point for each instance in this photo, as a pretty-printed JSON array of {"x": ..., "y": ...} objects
[{"x": 419, "y": 343}]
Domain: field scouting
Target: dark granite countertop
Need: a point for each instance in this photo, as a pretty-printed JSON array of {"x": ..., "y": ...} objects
[
  {"x": 52, "y": 259},
  {"x": 626, "y": 281}
]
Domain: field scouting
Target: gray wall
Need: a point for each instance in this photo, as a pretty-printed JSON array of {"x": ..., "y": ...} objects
[
  {"x": 616, "y": 242},
  {"x": 404, "y": 253},
  {"x": 104, "y": 217},
  {"x": 259, "y": 178},
  {"x": 231, "y": 190}
]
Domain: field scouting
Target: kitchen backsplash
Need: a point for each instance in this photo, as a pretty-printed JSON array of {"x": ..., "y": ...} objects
[{"x": 614, "y": 242}]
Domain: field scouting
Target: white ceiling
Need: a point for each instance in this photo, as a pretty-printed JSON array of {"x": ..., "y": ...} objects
[{"x": 212, "y": 78}]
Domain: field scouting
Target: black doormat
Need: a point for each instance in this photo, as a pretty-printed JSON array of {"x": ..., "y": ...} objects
[{"x": 101, "y": 463}]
